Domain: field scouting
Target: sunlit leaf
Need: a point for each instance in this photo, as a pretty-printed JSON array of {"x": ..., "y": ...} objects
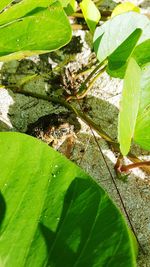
[
  {"x": 114, "y": 41},
  {"x": 142, "y": 53},
  {"x": 71, "y": 7},
  {"x": 4, "y": 3},
  {"x": 129, "y": 106},
  {"x": 53, "y": 214},
  {"x": 117, "y": 61},
  {"x": 142, "y": 128},
  {"x": 90, "y": 13},
  {"x": 124, "y": 7},
  {"x": 64, "y": 2},
  {"x": 22, "y": 23}
]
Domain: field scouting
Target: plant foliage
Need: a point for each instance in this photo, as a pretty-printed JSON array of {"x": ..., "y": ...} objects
[
  {"x": 54, "y": 213},
  {"x": 33, "y": 27},
  {"x": 117, "y": 44}
]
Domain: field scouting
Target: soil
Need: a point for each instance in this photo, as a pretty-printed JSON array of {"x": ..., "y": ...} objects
[{"x": 58, "y": 127}]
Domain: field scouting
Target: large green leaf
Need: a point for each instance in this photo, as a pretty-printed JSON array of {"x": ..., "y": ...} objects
[
  {"x": 142, "y": 53},
  {"x": 90, "y": 13},
  {"x": 142, "y": 128},
  {"x": 33, "y": 27},
  {"x": 4, "y": 3},
  {"x": 117, "y": 64},
  {"x": 112, "y": 38},
  {"x": 124, "y": 7},
  {"x": 129, "y": 106},
  {"x": 71, "y": 7},
  {"x": 64, "y": 2},
  {"x": 53, "y": 214}
]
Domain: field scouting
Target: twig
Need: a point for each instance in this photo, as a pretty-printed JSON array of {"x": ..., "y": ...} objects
[
  {"x": 126, "y": 168},
  {"x": 116, "y": 187},
  {"x": 80, "y": 96},
  {"x": 114, "y": 146}
]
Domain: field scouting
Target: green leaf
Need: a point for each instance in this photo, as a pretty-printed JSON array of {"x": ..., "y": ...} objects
[
  {"x": 141, "y": 53},
  {"x": 4, "y": 3},
  {"x": 124, "y": 7},
  {"x": 111, "y": 38},
  {"x": 33, "y": 27},
  {"x": 142, "y": 128},
  {"x": 117, "y": 61},
  {"x": 71, "y": 7},
  {"x": 53, "y": 214},
  {"x": 22, "y": 9},
  {"x": 90, "y": 13},
  {"x": 64, "y": 2},
  {"x": 129, "y": 106}
]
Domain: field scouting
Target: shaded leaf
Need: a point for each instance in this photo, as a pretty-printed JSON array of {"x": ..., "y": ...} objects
[
  {"x": 55, "y": 213},
  {"x": 129, "y": 106},
  {"x": 90, "y": 13},
  {"x": 142, "y": 128}
]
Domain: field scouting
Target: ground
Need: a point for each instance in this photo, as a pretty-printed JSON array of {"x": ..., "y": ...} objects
[{"x": 59, "y": 127}]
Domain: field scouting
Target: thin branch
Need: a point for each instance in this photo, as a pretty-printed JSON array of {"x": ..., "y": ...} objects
[
  {"x": 115, "y": 185},
  {"x": 114, "y": 146},
  {"x": 126, "y": 168}
]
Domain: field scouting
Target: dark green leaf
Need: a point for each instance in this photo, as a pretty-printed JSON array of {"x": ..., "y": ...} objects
[{"x": 53, "y": 214}]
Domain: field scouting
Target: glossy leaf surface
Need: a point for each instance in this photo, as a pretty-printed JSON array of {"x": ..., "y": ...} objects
[
  {"x": 54, "y": 213},
  {"x": 90, "y": 13},
  {"x": 71, "y": 7},
  {"x": 142, "y": 128},
  {"x": 142, "y": 53},
  {"x": 33, "y": 27},
  {"x": 112, "y": 38},
  {"x": 4, "y": 3},
  {"x": 129, "y": 106},
  {"x": 124, "y": 7}
]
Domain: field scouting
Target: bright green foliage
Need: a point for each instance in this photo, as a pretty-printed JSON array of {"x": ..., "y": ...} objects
[
  {"x": 90, "y": 13},
  {"x": 117, "y": 61},
  {"x": 142, "y": 128},
  {"x": 71, "y": 7},
  {"x": 33, "y": 27},
  {"x": 129, "y": 106},
  {"x": 53, "y": 214},
  {"x": 4, "y": 3},
  {"x": 142, "y": 52},
  {"x": 124, "y": 7},
  {"x": 114, "y": 41},
  {"x": 64, "y": 2}
]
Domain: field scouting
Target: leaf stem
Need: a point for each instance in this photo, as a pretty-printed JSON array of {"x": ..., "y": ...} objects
[
  {"x": 80, "y": 96},
  {"x": 84, "y": 88},
  {"x": 84, "y": 84},
  {"x": 77, "y": 15},
  {"x": 114, "y": 146},
  {"x": 126, "y": 168}
]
